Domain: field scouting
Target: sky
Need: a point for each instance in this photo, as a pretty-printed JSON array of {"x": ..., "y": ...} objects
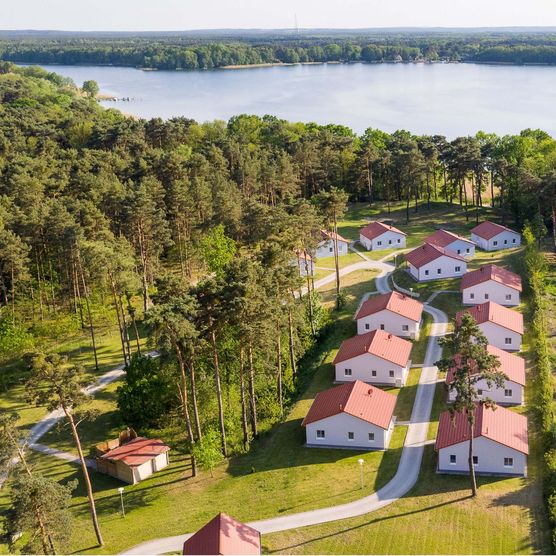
[{"x": 172, "y": 15}]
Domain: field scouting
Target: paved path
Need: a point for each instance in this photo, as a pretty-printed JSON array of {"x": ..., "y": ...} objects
[{"x": 410, "y": 462}]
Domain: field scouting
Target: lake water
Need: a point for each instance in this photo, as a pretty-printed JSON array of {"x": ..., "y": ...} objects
[{"x": 449, "y": 99}]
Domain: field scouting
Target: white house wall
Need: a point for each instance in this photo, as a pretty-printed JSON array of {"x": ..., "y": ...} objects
[
  {"x": 388, "y": 240},
  {"x": 463, "y": 248},
  {"x": 336, "y": 430},
  {"x": 392, "y": 322},
  {"x": 490, "y": 458},
  {"x": 497, "y": 334},
  {"x": 326, "y": 249},
  {"x": 446, "y": 265},
  {"x": 496, "y": 394},
  {"x": 504, "y": 240},
  {"x": 362, "y": 367},
  {"x": 490, "y": 291}
]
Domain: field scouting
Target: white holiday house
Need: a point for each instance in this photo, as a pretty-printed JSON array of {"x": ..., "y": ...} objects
[
  {"x": 500, "y": 442},
  {"x": 325, "y": 248},
  {"x": 304, "y": 263},
  {"x": 492, "y": 237},
  {"x": 511, "y": 393},
  {"x": 502, "y": 327},
  {"x": 393, "y": 312},
  {"x": 376, "y": 236},
  {"x": 377, "y": 357},
  {"x": 354, "y": 415},
  {"x": 448, "y": 240},
  {"x": 491, "y": 283},
  {"x": 429, "y": 262}
]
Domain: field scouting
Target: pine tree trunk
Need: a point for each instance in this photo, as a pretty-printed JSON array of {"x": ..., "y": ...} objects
[
  {"x": 88, "y": 306},
  {"x": 370, "y": 182},
  {"x": 185, "y": 404},
  {"x": 116, "y": 306},
  {"x": 336, "y": 262},
  {"x": 492, "y": 188},
  {"x": 92, "y": 507},
  {"x": 131, "y": 312},
  {"x": 470, "y": 461},
  {"x": 125, "y": 327},
  {"x": 244, "y": 425},
  {"x": 279, "y": 372},
  {"x": 219, "y": 393},
  {"x": 144, "y": 264},
  {"x": 194, "y": 395},
  {"x": 309, "y": 296},
  {"x": 252, "y": 398},
  {"x": 291, "y": 343}
]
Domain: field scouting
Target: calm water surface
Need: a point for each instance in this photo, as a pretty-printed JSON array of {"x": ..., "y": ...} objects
[{"x": 450, "y": 99}]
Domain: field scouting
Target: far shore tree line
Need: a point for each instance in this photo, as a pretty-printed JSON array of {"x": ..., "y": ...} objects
[
  {"x": 187, "y": 233},
  {"x": 180, "y": 52}
]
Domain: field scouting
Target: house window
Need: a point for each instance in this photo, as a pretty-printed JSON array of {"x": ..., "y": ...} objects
[
  {"x": 320, "y": 433},
  {"x": 373, "y": 373},
  {"x": 399, "y": 240},
  {"x": 458, "y": 268},
  {"x": 453, "y": 459},
  {"x": 439, "y": 271},
  {"x": 505, "y": 242},
  {"x": 371, "y": 437},
  {"x": 479, "y": 392},
  {"x": 467, "y": 250},
  {"x": 475, "y": 460},
  {"x": 471, "y": 296},
  {"x": 351, "y": 435},
  {"x": 459, "y": 251},
  {"x": 426, "y": 272},
  {"x": 389, "y": 242},
  {"x": 405, "y": 327},
  {"x": 486, "y": 295},
  {"x": 508, "y": 393},
  {"x": 382, "y": 326},
  {"x": 347, "y": 372},
  {"x": 508, "y": 341},
  {"x": 508, "y": 462},
  {"x": 513, "y": 240},
  {"x": 391, "y": 373},
  {"x": 331, "y": 249},
  {"x": 379, "y": 242},
  {"x": 508, "y": 296},
  {"x": 494, "y": 243},
  {"x": 367, "y": 326}
]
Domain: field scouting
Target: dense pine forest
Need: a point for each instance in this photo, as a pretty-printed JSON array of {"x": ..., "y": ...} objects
[
  {"x": 192, "y": 50},
  {"x": 190, "y": 234}
]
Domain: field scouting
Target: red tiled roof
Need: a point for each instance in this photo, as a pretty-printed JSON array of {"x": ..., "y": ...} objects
[
  {"x": 497, "y": 314},
  {"x": 500, "y": 425},
  {"x": 394, "y": 301},
  {"x": 377, "y": 342},
  {"x": 303, "y": 255},
  {"x": 443, "y": 238},
  {"x": 325, "y": 235},
  {"x": 511, "y": 365},
  {"x": 491, "y": 272},
  {"x": 354, "y": 398},
  {"x": 137, "y": 451},
  {"x": 376, "y": 229},
  {"x": 427, "y": 253},
  {"x": 224, "y": 535},
  {"x": 487, "y": 230}
]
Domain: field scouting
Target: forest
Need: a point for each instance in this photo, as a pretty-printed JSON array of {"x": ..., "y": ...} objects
[
  {"x": 200, "y": 51},
  {"x": 188, "y": 233}
]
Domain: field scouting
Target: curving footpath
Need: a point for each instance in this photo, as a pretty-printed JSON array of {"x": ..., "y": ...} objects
[{"x": 412, "y": 454}]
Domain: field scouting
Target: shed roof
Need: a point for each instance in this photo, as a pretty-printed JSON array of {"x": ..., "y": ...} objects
[
  {"x": 376, "y": 229},
  {"x": 357, "y": 399},
  {"x": 487, "y": 230},
  {"x": 491, "y": 272},
  {"x": 394, "y": 301},
  {"x": 224, "y": 535},
  {"x": 511, "y": 365},
  {"x": 498, "y": 424},
  {"x": 497, "y": 314},
  {"x": 326, "y": 235},
  {"x": 377, "y": 342},
  {"x": 137, "y": 451},
  {"x": 427, "y": 253}
]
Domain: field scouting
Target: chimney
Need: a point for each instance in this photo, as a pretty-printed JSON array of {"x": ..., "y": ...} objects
[
  {"x": 389, "y": 336},
  {"x": 341, "y": 407},
  {"x": 370, "y": 392}
]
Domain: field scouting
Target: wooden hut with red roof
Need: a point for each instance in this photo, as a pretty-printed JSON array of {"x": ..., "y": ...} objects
[
  {"x": 377, "y": 235},
  {"x": 493, "y": 237}
]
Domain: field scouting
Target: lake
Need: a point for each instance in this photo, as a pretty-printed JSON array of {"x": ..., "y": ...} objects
[{"x": 448, "y": 99}]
